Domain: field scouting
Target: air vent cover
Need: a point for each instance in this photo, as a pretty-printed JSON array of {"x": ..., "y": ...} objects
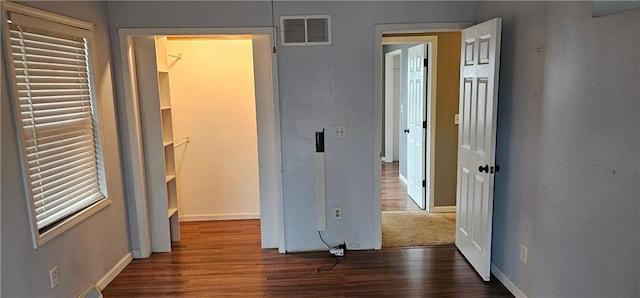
[{"x": 310, "y": 30}]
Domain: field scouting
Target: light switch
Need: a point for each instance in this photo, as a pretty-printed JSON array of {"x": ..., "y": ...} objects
[
  {"x": 339, "y": 132},
  {"x": 456, "y": 119}
]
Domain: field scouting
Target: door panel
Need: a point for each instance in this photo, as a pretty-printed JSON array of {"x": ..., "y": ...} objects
[
  {"x": 416, "y": 97},
  {"x": 479, "y": 60}
]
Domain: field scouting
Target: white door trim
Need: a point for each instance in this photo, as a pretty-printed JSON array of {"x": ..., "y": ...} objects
[
  {"x": 269, "y": 150},
  {"x": 379, "y": 58},
  {"x": 389, "y": 103}
]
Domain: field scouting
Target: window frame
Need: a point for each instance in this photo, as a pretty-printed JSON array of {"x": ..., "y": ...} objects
[{"x": 72, "y": 220}]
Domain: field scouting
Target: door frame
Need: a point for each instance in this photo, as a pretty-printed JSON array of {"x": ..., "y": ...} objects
[
  {"x": 390, "y": 103},
  {"x": 269, "y": 142},
  {"x": 379, "y": 81}
]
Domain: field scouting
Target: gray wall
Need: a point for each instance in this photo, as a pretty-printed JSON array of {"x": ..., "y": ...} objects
[
  {"x": 319, "y": 87},
  {"x": 89, "y": 250},
  {"x": 569, "y": 148}
]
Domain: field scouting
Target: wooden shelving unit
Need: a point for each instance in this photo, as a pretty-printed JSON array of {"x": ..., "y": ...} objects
[
  {"x": 155, "y": 114},
  {"x": 167, "y": 136}
]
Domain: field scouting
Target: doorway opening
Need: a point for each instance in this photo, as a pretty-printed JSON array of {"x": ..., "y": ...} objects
[
  {"x": 479, "y": 63},
  {"x": 223, "y": 122},
  {"x": 214, "y": 118},
  {"x": 427, "y": 218}
]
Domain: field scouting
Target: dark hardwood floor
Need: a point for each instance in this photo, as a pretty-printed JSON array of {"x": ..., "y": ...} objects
[
  {"x": 393, "y": 191},
  {"x": 224, "y": 258}
]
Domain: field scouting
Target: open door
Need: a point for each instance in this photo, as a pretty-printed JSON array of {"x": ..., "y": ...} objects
[
  {"x": 416, "y": 97},
  {"x": 479, "y": 65}
]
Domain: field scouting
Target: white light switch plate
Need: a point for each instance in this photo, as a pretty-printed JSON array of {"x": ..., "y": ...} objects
[{"x": 339, "y": 132}]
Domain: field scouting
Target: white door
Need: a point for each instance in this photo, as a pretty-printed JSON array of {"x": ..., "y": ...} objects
[
  {"x": 479, "y": 65},
  {"x": 416, "y": 97}
]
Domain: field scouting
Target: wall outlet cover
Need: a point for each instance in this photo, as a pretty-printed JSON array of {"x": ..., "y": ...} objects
[
  {"x": 337, "y": 213},
  {"x": 523, "y": 253},
  {"x": 339, "y": 132},
  {"x": 54, "y": 277}
]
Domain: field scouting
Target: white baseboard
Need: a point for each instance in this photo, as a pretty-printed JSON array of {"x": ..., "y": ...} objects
[
  {"x": 404, "y": 180},
  {"x": 507, "y": 282},
  {"x": 444, "y": 209},
  {"x": 227, "y": 216},
  {"x": 111, "y": 274}
]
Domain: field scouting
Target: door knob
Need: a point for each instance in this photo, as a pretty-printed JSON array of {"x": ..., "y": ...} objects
[
  {"x": 484, "y": 168},
  {"x": 406, "y": 131}
]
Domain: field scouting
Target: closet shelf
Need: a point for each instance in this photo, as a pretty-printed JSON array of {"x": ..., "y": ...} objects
[
  {"x": 170, "y": 177},
  {"x": 165, "y": 108},
  {"x": 167, "y": 143},
  {"x": 172, "y": 211}
]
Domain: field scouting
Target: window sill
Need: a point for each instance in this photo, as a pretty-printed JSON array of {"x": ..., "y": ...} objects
[{"x": 41, "y": 239}]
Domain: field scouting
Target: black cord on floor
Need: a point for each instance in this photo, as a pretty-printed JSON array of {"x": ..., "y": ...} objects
[
  {"x": 325, "y": 243},
  {"x": 328, "y": 267}
]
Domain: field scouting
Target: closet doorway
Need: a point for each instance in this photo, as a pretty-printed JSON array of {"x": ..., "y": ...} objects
[
  {"x": 224, "y": 109},
  {"x": 214, "y": 126}
]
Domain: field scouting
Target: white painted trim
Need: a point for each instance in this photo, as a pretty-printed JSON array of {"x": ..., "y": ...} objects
[
  {"x": 134, "y": 152},
  {"x": 444, "y": 209},
  {"x": 270, "y": 158},
  {"x": 420, "y": 28},
  {"x": 430, "y": 113},
  {"x": 114, "y": 271},
  {"x": 137, "y": 254},
  {"x": 389, "y": 104},
  {"x": 41, "y": 14},
  {"x": 134, "y": 147},
  {"x": 507, "y": 282},
  {"x": 226, "y": 216},
  {"x": 320, "y": 186},
  {"x": 194, "y": 31},
  {"x": 403, "y": 179},
  {"x": 378, "y": 81}
]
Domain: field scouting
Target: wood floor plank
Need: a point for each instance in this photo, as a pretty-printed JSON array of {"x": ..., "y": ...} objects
[
  {"x": 224, "y": 258},
  {"x": 393, "y": 191}
]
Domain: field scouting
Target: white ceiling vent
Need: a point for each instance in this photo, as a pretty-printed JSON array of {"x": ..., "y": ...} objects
[{"x": 312, "y": 30}]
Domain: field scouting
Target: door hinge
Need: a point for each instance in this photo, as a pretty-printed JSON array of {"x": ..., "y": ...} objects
[
  {"x": 424, "y": 124},
  {"x": 426, "y": 62},
  {"x": 424, "y": 183}
]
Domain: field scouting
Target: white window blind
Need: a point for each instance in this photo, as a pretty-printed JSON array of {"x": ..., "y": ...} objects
[{"x": 56, "y": 115}]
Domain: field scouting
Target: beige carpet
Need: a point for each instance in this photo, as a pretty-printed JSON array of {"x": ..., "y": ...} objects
[{"x": 417, "y": 228}]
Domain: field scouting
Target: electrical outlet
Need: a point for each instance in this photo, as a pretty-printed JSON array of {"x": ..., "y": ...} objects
[
  {"x": 523, "y": 253},
  {"x": 54, "y": 278},
  {"x": 337, "y": 213},
  {"x": 338, "y": 252},
  {"x": 339, "y": 132}
]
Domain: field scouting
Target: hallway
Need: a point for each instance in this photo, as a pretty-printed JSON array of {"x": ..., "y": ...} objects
[{"x": 394, "y": 192}]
